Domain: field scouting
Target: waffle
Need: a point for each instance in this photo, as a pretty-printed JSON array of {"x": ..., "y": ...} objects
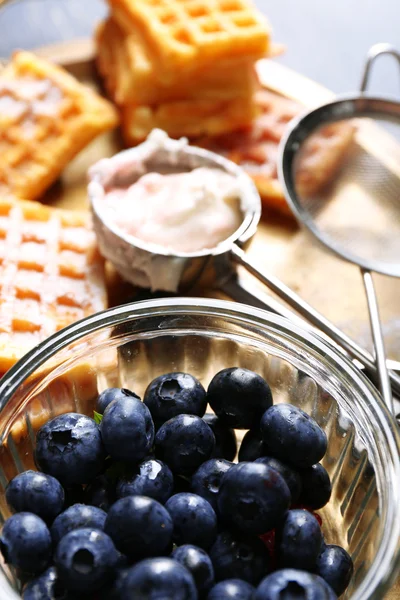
[
  {"x": 46, "y": 118},
  {"x": 190, "y": 33},
  {"x": 50, "y": 274},
  {"x": 131, "y": 76},
  {"x": 190, "y": 119}
]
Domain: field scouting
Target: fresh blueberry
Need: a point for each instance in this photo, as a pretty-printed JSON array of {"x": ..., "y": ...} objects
[
  {"x": 199, "y": 564},
  {"x": 316, "y": 487},
  {"x": 139, "y": 526},
  {"x": 291, "y": 435},
  {"x": 184, "y": 443},
  {"x": 231, "y": 589},
  {"x": 225, "y": 438},
  {"x": 77, "y": 516},
  {"x": 25, "y": 542},
  {"x": 69, "y": 448},
  {"x": 127, "y": 429},
  {"x": 335, "y": 566},
  {"x": 253, "y": 498},
  {"x": 110, "y": 394},
  {"x": 298, "y": 541},
  {"x": 100, "y": 493},
  {"x": 175, "y": 394},
  {"x": 239, "y": 397},
  {"x": 159, "y": 579},
  {"x": 237, "y": 556},
  {"x": 194, "y": 520},
  {"x": 289, "y": 474},
  {"x": 35, "y": 492},
  {"x": 252, "y": 446},
  {"x": 293, "y": 584},
  {"x": 206, "y": 481},
  {"x": 46, "y": 586},
  {"x": 86, "y": 560},
  {"x": 151, "y": 478}
]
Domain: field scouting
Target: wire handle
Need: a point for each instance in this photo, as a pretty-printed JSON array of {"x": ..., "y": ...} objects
[{"x": 374, "y": 52}]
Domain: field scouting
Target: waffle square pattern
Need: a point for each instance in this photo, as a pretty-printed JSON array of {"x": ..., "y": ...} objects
[
  {"x": 51, "y": 274},
  {"x": 46, "y": 118},
  {"x": 188, "y": 33}
]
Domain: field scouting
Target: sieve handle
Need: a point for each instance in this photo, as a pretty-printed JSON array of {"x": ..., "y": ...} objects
[
  {"x": 377, "y": 336},
  {"x": 374, "y": 52},
  {"x": 314, "y": 317}
]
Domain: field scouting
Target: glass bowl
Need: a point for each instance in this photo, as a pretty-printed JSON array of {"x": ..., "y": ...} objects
[{"x": 130, "y": 345}]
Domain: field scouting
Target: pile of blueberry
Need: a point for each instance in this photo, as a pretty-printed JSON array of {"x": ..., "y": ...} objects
[{"x": 144, "y": 501}]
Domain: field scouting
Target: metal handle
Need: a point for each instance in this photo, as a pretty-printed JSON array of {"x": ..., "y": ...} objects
[
  {"x": 374, "y": 52},
  {"x": 377, "y": 336},
  {"x": 314, "y": 317}
]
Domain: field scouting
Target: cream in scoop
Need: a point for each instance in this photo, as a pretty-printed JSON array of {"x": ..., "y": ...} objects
[{"x": 182, "y": 212}]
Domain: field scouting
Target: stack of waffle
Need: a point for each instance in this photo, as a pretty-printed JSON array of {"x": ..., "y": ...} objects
[{"x": 185, "y": 66}]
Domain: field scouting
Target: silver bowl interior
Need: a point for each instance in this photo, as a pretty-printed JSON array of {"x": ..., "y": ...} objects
[{"x": 131, "y": 345}]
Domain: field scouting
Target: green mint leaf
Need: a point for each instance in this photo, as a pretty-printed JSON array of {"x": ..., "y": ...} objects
[{"x": 97, "y": 417}]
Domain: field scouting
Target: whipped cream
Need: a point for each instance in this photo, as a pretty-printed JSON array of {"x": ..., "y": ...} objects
[{"x": 182, "y": 212}]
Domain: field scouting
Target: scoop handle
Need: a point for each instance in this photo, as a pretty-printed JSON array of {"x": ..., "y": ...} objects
[{"x": 314, "y": 317}]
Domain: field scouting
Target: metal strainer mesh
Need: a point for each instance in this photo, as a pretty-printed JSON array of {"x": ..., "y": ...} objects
[{"x": 356, "y": 210}]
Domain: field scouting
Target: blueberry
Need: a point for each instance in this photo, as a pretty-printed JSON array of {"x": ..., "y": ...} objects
[
  {"x": 35, "y": 492},
  {"x": 151, "y": 478},
  {"x": 293, "y": 436},
  {"x": 316, "y": 487},
  {"x": 184, "y": 443},
  {"x": 252, "y": 446},
  {"x": 86, "y": 560},
  {"x": 46, "y": 586},
  {"x": 175, "y": 394},
  {"x": 239, "y": 397},
  {"x": 199, "y": 564},
  {"x": 335, "y": 566},
  {"x": 206, "y": 481},
  {"x": 69, "y": 448},
  {"x": 194, "y": 520},
  {"x": 292, "y": 584},
  {"x": 298, "y": 541},
  {"x": 100, "y": 493},
  {"x": 127, "y": 429},
  {"x": 225, "y": 438},
  {"x": 25, "y": 542},
  {"x": 231, "y": 589},
  {"x": 77, "y": 516},
  {"x": 110, "y": 394},
  {"x": 289, "y": 474},
  {"x": 139, "y": 526},
  {"x": 159, "y": 578},
  {"x": 253, "y": 498},
  {"x": 237, "y": 556}
]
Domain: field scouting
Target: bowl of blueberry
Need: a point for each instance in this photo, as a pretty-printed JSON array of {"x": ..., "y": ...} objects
[{"x": 192, "y": 449}]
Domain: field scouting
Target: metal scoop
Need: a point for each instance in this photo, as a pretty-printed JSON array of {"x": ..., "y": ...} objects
[
  {"x": 357, "y": 213},
  {"x": 148, "y": 265}
]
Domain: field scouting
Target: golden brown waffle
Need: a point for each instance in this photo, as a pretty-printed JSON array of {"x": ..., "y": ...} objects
[
  {"x": 132, "y": 77},
  {"x": 191, "y": 119},
  {"x": 46, "y": 118},
  {"x": 50, "y": 274},
  {"x": 256, "y": 148},
  {"x": 191, "y": 33}
]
